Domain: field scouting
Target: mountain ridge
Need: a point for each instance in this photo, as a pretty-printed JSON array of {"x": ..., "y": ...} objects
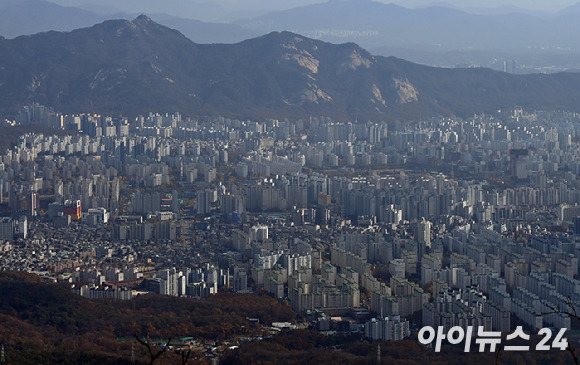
[
  {"x": 435, "y": 34},
  {"x": 133, "y": 67}
]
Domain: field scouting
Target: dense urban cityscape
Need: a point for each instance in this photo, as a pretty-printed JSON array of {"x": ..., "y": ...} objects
[
  {"x": 307, "y": 182},
  {"x": 379, "y": 227}
]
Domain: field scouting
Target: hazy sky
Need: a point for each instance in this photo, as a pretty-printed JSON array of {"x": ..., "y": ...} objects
[
  {"x": 182, "y": 7},
  {"x": 544, "y": 5}
]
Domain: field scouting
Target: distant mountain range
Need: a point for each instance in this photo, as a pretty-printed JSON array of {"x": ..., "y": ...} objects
[
  {"x": 372, "y": 24},
  {"x": 28, "y": 17},
  {"x": 368, "y": 23},
  {"x": 34, "y": 16},
  {"x": 433, "y": 35},
  {"x": 131, "y": 67}
]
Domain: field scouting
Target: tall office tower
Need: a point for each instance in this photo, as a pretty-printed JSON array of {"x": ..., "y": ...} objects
[
  {"x": 7, "y": 228},
  {"x": 519, "y": 165},
  {"x": 423, "y": 237},
  {"x": 32, "y": 204},
  {"x": 22, "y": 227},
  {"x": 202, "y": 203}
]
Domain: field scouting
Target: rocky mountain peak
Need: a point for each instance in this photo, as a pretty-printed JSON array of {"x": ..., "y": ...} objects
[{"x": 140, "y": 66}]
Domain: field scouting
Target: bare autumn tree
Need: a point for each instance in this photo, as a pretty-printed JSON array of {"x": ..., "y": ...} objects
[
  {"x": 154, "y": 354},
  {"x": 570, "y": 310},
  {"x": 185, "y": 357}
]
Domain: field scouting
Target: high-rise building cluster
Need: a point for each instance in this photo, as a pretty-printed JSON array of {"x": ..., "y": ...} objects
[{"x": 468, "y": 221}]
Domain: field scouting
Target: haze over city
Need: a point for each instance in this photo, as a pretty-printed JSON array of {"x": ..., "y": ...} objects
[{"x": 240, "y": 182}]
